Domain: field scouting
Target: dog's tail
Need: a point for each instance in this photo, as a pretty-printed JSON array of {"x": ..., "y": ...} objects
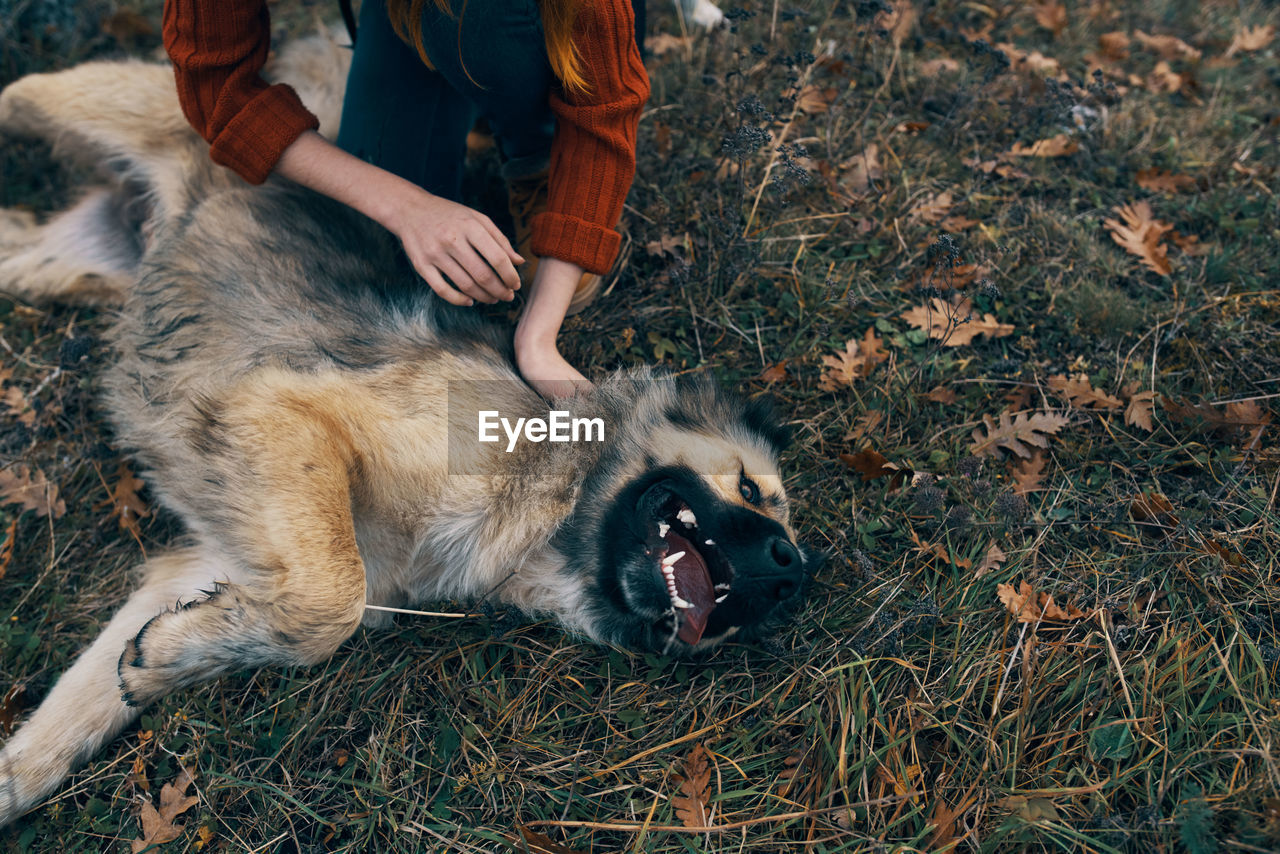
[{"x": 123, "y": 121}]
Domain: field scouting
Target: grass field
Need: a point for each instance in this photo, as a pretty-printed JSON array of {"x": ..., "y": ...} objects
[{"x": 1075, "y": 650}]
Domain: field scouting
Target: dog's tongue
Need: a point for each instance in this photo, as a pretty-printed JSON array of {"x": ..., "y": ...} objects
[{"x": 693, "y": 583}]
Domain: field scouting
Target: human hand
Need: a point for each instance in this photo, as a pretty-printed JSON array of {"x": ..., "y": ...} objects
[
  {"x": 537, "y": 356},
  {"x": 443, "y": 238}
]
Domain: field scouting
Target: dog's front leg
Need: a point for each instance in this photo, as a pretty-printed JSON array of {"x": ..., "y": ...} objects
[
  {"x": 303, "y": 590},
  {"x": 84, "y": 709}
]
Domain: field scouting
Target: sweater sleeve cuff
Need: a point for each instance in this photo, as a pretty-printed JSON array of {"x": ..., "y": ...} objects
[
  {"x": 592, "y": 247},
  {"x": 252, "y": 142}
]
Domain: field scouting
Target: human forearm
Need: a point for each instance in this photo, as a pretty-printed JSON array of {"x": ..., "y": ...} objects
[{"x": 461, "y": 254}]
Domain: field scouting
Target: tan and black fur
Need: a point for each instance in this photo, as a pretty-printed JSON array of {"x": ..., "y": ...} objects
[{"x": 285, "y": 382}]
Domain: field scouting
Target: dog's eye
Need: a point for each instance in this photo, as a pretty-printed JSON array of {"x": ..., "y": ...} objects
[{"x": 750, "y": 492}]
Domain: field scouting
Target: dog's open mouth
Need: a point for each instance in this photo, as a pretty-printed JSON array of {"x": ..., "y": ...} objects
[{"x": 696, "y": 573}]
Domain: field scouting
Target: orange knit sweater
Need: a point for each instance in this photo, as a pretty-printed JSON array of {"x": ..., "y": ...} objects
[{"x": 218, "y": 48}]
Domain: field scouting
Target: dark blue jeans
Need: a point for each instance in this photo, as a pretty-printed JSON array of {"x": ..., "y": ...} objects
[{"x": 413, "y": 121}]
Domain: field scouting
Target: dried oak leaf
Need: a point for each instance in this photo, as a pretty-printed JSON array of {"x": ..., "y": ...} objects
[
  {"x": 1115, "y": 45},
  {"x": 1152, "y": 508},
  {"x": 1028, "y": 475},
  {"x": 934, "y": 208},
  {"x": 157, "y": 824},
  {"x": 1164, "y": 181},
  {"x": 1165, "y": 80},
  {"x": 858, "y": 359},
  {"x": 943, "y": 394},
  {"x": 1245, "y": 418},
  {"x": 816, "y": 99},
  {"x": 694, "y": 785},
  {"x": 1081, "y": 394},
  {"x": 992, "y": 559},
  {"x": 1141, "y": 404},
  {"x": 18, "y": 406},
  {"x": 1249, "y": 39},
  {"x": 1015, "y": 434},
  {"x": 775, "y": 373},
  {"x": 940, "y": 551},
  {"x": 6, "y": 550},
  {"x": 861, "y": 170},
  {"x": 536, "y": 843},
  {"x": 20, "y": 484},
  {"x": 1060, "y": 145},
  {"x": 126, "y": 505},
  {"x": 1168, "y": 47},
  {"x": 1029, "y": 606},
  {"x": 1140, "y": 234},
  {"x": 1051, "y": 15},
  {"x": 955, "y": 324}
]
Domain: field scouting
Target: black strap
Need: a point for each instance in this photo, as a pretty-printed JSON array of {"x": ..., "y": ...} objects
[{"x": 348, "y": 18}]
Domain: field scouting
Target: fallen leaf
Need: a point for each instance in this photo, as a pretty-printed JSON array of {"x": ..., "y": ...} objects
[
  {"x": 1189, "y": 244},
  {"x": 955, "y": 324},
  {"x": 815, "y": 100},
  {"x": 858, "y": 359},
  {"x": 940, "y": 551},
  {"x": 667, "y": 244},
  {"x": 1015, "y": 434},
  {"x": 1018, "y": 398},
  {"x": 993, "y": 559},
  {"x": 1169, "y": 47},
  {"x": 872, "y": 465},
  {"x": 1028, "y": 474},
  {"x": 1140, "y": 234},
  {"x": 861, "y": 169},
  {"x": 1249, "y": 39},
  {"x": 957, "y": 224},
  {"x": 1141, "y": 404},
  {"x": 865, "y": 425},
  {"x": 1051, "y": 15},
  {"x": 126, "y": 505},
  {"x": 898, "y": 20},
  {"x": 694, "y": 785},
  {"x": 775, "y": 373},
  {"x": 157, "y": 824},
  {"x": 933, "y": 208},
  {"x": 941, "y": 394},
  {"x": 1152, "y": 508},
  {"x": 204, "y": 835},
  {"x": 19, "y": 484},
  {"x": 911, "y": 127},
  {"x": 1163, "y": 181},
  {"x": 1055, "y": 146},
  {"x": 537, "y": 843},
  {"x": 1165, "y": 80},
  {"x": 12, "y": 707},
  {"x": 19, "y": 407},
  {"x": 1245, "y": 419},
  {"x": 934, "y": 67},
  {"x": 663, "y": 43},
  {"x": 6, "y": 550},
  {"x": 1029, "y": 606},
  {"x": 1115, "y": 45},
  {"x": 1081, "y": 394},
  {"x": 1030, "y": 61}
]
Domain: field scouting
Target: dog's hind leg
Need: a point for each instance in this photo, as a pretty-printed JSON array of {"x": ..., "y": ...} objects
[
  {"x": 84, "y": 709},
  {"x": 86, "y": 255},
  {"x": 122, "y": 118},
  {"x": 304, "y": 588}
]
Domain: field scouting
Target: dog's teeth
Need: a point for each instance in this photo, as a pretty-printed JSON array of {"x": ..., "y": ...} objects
[
  {"x": 670, "y": 560},
  {"x": 680, "y": 603},
  {"x": 669, "y": 572},
  {"x": 663, "y": 527},
  {"x": 686, "y": 515},
  {"x": 720, "y": 599},
  {"x": 722, "y": 586},
  {"x": 709, "y": 541}
]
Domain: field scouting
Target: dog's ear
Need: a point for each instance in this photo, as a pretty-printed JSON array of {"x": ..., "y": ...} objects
[{"x": 760, "y": 414}]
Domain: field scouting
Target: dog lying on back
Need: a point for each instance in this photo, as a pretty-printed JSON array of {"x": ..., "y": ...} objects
[{"x": 309, "y": 409}]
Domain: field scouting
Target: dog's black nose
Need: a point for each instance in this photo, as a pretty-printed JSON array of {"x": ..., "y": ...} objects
[{"x": 787, "y": 559}]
